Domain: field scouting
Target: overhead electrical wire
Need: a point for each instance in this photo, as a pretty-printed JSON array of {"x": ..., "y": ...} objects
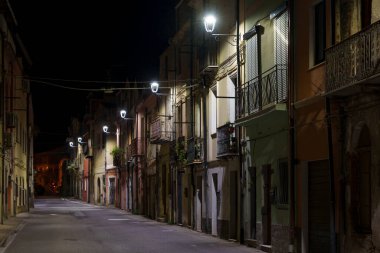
[
  {"x": 104, "y": 89},
  {"x": 92, "y": 81}
]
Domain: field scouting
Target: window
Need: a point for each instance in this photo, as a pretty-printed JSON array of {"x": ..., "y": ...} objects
[
  {"x": 212, "y": 110},
  {"x": 17, "y": 125},
  {"x": 179, "y": 120},
  {"x": 365, "y": 14},
  {"x": 189, "y": 116},
  {"x": 252, "y": 63},
  {"x": 319, "y": 32},
  {"x": 283, "y": 193},
  {"x": 281, "y": 41}
]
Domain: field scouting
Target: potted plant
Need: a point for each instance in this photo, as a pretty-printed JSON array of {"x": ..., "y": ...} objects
[{"x": 117, "y": 154}]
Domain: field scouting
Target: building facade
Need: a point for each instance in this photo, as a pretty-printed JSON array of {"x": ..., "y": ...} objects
[
  {"x": 16, "y": 119},
  {"x": 263, "y": 132}
]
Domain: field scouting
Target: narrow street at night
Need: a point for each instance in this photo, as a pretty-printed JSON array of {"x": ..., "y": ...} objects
[{"x": 61, "y": 225}]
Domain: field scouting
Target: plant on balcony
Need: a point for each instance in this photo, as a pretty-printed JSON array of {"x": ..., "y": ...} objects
[
  {"x": 181, "y": 152},
  {"x": 117, "y": 154}
]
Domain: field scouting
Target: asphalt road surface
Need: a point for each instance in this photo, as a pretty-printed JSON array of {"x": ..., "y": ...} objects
[{"x": 61, "y": 225}]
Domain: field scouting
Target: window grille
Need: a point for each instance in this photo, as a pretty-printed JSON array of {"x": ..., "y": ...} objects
[{"x": 283, "y": 188}]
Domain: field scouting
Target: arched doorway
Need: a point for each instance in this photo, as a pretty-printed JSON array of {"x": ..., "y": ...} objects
[{"x": 361, "y": 180}]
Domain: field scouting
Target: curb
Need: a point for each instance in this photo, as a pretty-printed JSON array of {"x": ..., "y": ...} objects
[{"x": 11, "y": 234}]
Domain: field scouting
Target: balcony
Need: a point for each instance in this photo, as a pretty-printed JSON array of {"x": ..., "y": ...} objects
[
  {"x": 353, "y": 61},
  {"x": 194, "y": 152},
  {"x": 161, "y": 130},
  {"x": 226, "y": 141},
  {"x": 260, "y": 94},
  {"x": 136, "y": 147},
  {"x": 180, "y": 150}
]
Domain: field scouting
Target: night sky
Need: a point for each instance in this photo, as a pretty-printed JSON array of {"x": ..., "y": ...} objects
[{"x": 87, "y": 40}]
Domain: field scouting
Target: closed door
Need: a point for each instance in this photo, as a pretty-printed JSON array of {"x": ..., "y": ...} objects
[
  {"x": 233, "y": 205},
  {"x": 112, "y": 191},
  {"x": 198, "y": 204},
  {"x": 266, "y": 210},
  {"x": 318, "y": 206},
  {"x": 214, "y": 205}
]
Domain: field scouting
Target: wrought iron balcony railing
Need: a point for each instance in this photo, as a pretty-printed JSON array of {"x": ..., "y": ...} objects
[
  {"x": 353, "y": 60},
  {"x": 137, "y": 147},
  {"x": 226, "y": 141},
  {"x": 257, "y": 93},
  {"x": 161, "y": 130},
  {"x": 194, "y": 150}
]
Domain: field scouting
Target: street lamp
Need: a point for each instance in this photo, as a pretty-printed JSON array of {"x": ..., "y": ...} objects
[
  {"x": 209, "y": 22},
  {"x": 105, "y": 129},
  {"x": 154, "y": 87},
  {"x": 71, "y": 144},
  {"x": 80, "y": 140},
  {"x": 123, "y": 115}
]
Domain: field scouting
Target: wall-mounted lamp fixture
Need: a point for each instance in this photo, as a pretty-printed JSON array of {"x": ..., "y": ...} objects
[
  {"x": 80, "y": 140},
  {"x": 123, "y": 115},
  {"x": 209, "y": 22},
  {"x": 71, "y": 144},
  {"x": 105, "y": 129},
  {"x": 154, "y": 87}
]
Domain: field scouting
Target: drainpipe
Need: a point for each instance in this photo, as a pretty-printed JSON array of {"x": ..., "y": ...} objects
[
  {"x": 143, "y": 172},
  {"x": 204, "y": 121},
  {"x": 192, "y": 122},
  {"x": 342, "y": 117},
  {"x": 136, "y": 168},
  {"x": 333, "y": 236},
  {"x": 238, "y": 130},
  {"x": 331, "y": 161},
  {"x": 291, "y": 119},
  {"x": 253, "y": 201},
  {"x": 28, "y": 168},
  {"x": 173, "y": 166},
  {"x": 205, "y": 163},
  {"x": 89, "y": 176},
  {"x": 2, "y": 107}
]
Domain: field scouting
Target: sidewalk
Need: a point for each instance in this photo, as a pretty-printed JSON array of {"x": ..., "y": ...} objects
[{"x": 10, "y": 227}]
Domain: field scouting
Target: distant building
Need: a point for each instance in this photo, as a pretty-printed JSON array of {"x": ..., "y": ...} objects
[{"x": 49, "y": 172}]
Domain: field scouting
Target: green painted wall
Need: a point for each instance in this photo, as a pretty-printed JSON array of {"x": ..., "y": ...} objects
[{"x": 268, "y": 145}]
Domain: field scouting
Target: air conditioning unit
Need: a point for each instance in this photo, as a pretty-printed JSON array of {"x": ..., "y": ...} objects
[
  {"x": 11, "y": 120},
  {"x": 8, "y": 140}
]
